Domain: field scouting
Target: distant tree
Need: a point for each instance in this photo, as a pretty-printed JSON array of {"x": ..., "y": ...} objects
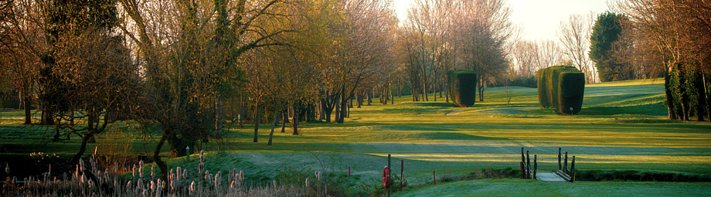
[
  {"x": 677, "y": 31},
  {"x": 575, "y": 42},
  {"x": 526, "y": 55},
  {"x": 189, "y": 52},
  {"x": 22, "y": 43},
  {"x": 605, "y": 34},
  {"x": 64, "y": 17},
  {"x": 103, "y": 84},
  {"x": 444, "y": 35}
]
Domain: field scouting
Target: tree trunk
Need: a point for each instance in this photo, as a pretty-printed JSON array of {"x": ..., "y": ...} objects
[
  {"x": 344, "y": 109},
  {"x": 413, "y": 93},
  {"x": 392, "y": 97},
  {"x": 295, "y": 121},
  {"x": 257, "y": 119},
  {"x": 341, "y": 106},
  {"x": 424, "y": 84},
  {"x": 482, "y": 85},
  {"x": 82, "y": 148},
  {"x": 218, "y": 117},
  {"x": 284, "y": 119},
  {"x": 242, "y": 111},
  {"x": 359, "y": 100},
  {"x": 434, "y": 92},
  {"x": 708, "y": 98},
  {"x": 27, "y": 105},
  {"x": 399, "y": 88},
  {"x": 327, "y": 111},
  {"x": 683, "y": 92},
  {"x": 338, "y": 111},
  {"x": 47, "y": 118},
  {"x": 274, "y": 124},
  {"x": 156, "y": 157},
  {"x": 671, "y": 109},
  {"x": 446, "y": 94},
  {"x": 701, "y": 95}
]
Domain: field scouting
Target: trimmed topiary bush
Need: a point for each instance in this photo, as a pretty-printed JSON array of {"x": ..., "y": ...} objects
[
  {"x": 571, "y": 88},
  {"x": 462, "y": 87},
  {"x": 542, "y": 93},
  {"x": 552, "y": 75},
  {"x": 560, "y": 88}
]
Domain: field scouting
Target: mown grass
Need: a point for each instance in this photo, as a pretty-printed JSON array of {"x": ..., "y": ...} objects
[
  {"x": 520, "y": 187},
  {"x": 622, "y": 126}
]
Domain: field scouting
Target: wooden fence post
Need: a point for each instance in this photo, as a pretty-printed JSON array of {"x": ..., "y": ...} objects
[
  {"x": 572, "y": 170},
  {"x": 565, "y": 163},
  {"x": 390, "y": 177},
  {"x": 535, "y": 165},
  {"x": 523, "y": 158},
  {"x": 523, "y": 172},
  {"x": 560, "y": 167},
  {"x": 402, "y": 171},
  {"x": 528, "y": 165}
]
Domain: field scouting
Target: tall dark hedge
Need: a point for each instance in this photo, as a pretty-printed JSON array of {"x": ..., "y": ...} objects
[
  {"x": 462, "y": 87},
  {"x": 552, "y": 78},
  {"x": 560, "y": 88},
  {"x": 571, "y": 88},
  {"x": 542, "y": 93}
]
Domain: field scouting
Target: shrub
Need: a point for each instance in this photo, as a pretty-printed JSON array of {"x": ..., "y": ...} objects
[
  {"x": 561, "y": 93},
  {"x": 542, "y": 93},
  {"x": 552, "y": 76},
  {"x": 524, "y": 81},
  {"x": 571, "y": 88},
  {"x": 462, "y": 87}
]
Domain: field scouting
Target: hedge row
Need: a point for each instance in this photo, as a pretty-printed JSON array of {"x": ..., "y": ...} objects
[
  {"x": 561, "y": 88},
  {"x": 462, "y": 87}
]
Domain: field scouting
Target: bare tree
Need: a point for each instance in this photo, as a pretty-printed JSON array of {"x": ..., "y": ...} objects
[
  {"x": 678, "y": 31},
  {"x": 189, "y": 51},
  {"x": 575, "y": 40},
  {"x": 526, "y": 55}
]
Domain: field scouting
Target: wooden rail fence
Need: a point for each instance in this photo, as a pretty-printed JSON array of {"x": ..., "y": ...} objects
[
  {"x": 528, "y": 171},
  {"x": 563, "y": 171}
]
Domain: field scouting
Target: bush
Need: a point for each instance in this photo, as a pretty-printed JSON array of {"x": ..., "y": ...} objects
[
  {"x": 542, "y": 93},
  {"x": 524, "y": 81},
  {"x": 571, "y": 90},
  {"x": 462, "y": 87},
  {"x": 561, "y": 87}
]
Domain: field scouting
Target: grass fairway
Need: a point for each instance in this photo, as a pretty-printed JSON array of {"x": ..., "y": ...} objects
[
  {"x": 519, "y": 187},
  {"x": 622, "y": 126}
]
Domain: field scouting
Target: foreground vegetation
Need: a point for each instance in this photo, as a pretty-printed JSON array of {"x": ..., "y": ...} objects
[{"x": 622, "y": 126}]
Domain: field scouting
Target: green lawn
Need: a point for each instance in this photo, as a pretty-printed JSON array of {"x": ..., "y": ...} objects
[
  {"x": 622, "y": 126},
  {"x": 519, "y": 187}
]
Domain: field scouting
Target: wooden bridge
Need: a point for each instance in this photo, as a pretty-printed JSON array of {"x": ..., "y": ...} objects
[{"x": 564, "y": 173}]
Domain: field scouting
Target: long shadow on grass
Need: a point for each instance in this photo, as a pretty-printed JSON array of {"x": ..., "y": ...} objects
[
  {"x": 648, "y": 109},
  {"x": 452, "y": 136},
  {"x": 661, "y": 127},
  {"x": 438, "y": 104}
]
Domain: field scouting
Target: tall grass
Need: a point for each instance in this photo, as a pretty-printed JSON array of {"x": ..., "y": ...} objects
[{"x": 88, "y": 179}]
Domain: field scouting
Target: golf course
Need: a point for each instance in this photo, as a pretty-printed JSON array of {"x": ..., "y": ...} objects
[{"x": 621, "y": 129}]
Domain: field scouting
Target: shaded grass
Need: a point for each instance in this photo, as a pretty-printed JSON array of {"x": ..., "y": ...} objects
[{"x": 520, "y": 187}]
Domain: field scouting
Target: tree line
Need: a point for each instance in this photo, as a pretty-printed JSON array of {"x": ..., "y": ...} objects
[{"x": 188, "y": 67}]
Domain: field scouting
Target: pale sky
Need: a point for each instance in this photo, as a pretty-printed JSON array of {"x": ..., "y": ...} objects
[{"x": 537, "y": 19}]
